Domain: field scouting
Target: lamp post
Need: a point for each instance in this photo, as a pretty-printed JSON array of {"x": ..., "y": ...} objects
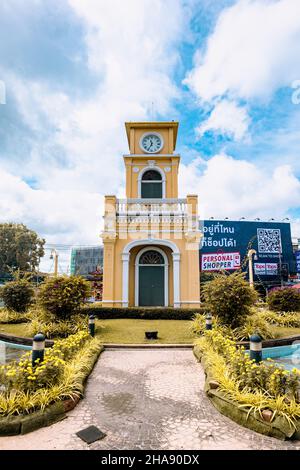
[
  {"x": 54, "y": 255},
  {"x": 250, "y": 258}
]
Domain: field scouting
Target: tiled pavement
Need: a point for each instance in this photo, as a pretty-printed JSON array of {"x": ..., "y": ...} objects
[{"x": 147, "y": 399}]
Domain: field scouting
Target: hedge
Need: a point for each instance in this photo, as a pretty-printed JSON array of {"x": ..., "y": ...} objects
[{"x": 157, "y": 313}]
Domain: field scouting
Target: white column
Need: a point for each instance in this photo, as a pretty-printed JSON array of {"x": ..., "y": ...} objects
[
  {"x": 125, "y": 277},
  {"x": 176, "y": 281}
]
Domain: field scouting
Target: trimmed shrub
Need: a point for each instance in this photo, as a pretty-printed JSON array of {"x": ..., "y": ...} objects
[
  {"x": 284, "y": 300},
  {"x": 11, "y": 317},
  {"x": 63, "y": 296},
  {"x": 162, "y": 313},
  {"x": 17, "y": 295},
  {"x": 229, "y": 297},
  {"x": 254, "y": 323},
  {"x": 56, "y": 329}
]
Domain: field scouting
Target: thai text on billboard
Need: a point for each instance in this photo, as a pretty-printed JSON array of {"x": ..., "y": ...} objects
[{"x": 220, "y": 261}]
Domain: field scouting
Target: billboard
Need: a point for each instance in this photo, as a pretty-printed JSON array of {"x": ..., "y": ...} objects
[
  {"x": 271, "y": 240},
  {"x": 297, "y": 254}
]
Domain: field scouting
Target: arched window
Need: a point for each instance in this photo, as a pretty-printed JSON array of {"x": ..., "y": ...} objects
[
  {"x": 151, "y": 257},
  {"x": 151, "y": 185}
]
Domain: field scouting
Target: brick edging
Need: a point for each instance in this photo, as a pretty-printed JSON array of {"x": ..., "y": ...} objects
[
  {"x": 21, "y": 340},
  {"x": 270, "y": 343}
]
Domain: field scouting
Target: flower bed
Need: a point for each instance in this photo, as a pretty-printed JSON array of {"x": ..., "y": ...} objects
[
  {"x": 263, "y": 397},
  {"x": 35, "y": 397}
]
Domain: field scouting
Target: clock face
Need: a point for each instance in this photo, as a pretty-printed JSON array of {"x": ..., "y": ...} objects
[{"x": 151, "y": 143}]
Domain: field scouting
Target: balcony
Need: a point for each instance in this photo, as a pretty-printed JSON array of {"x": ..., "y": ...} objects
[
  {"x": 122, "y": 215},
  {"x": 151, "y": 207}
]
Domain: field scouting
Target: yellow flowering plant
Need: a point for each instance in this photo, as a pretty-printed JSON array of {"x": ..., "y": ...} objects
[
  {"x": 266, "y": 376},
  {"x": 21, "y": 375}
]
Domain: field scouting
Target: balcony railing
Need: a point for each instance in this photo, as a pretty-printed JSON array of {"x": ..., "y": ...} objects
[{"x": 154, "y": 207}]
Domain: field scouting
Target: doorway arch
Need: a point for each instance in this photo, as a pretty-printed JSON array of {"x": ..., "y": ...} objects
[
  {"x": 151, "y": 278},
  {"x": 151, "y": 242}
]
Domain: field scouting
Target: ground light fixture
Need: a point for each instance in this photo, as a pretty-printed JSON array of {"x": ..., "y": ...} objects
[
  {"x": 151, "y": 334},
  {"x": 255, "y": 348},
  {"x": 208, "y": 321}
]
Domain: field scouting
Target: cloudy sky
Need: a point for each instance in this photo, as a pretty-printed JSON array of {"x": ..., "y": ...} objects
[{"x": 73, "y": 71}]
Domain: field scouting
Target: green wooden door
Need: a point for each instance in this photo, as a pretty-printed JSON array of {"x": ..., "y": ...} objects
[
  {"x": 151, "y": 190},
  {"x": 151, "y": 286}
]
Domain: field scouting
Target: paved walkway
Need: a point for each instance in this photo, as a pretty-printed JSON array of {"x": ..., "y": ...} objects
[{"x": 147, "y": 399}]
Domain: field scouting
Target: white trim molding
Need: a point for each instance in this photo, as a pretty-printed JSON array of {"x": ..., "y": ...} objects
[
  {"x": 137, "y": 274},
  {"x": 176, "y": 270},
  {"x": 125, "y": 281},
  {"x": 149, "y": 243},
  {"x": 163, "y": 179}
]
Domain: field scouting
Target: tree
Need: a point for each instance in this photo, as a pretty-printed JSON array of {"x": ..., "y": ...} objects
[
  {"x": 229, "y": 297},
  {"x": 284, "y": 300},
  {"x": 17, "y": 295},
  {"x": 64, "y": 296},
  {"x": 20, "y": 248}
]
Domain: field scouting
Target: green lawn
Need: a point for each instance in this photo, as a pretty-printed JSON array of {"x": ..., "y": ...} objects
[
  {"x": 133, "y": 331},
  {"x": 128, "y": 331},
  {"x": 13, "y": 329},
  {"x": 281, "y": 331}
]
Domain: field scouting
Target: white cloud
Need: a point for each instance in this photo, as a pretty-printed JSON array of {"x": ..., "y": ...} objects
[
  {"x": 61, "y": 216},
  {"x": 77, "y": 142},
  {"x": 252, "y": 51},
  {"x": 226, "y": 118},
  {"x": 237, "y": 188}
]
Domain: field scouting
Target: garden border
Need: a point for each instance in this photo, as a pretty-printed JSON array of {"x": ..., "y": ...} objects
[
  {"x": 278, "y": 428},
  {"x": 25, "y": 340},
  {"x": 16, "y": 425}
]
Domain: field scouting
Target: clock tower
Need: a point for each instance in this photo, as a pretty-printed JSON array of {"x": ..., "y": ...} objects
[{"x": 151, "y": 238}]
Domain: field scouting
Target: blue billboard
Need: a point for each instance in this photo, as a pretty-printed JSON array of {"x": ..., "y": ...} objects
[
  {"x": 297, "y": 254},
  {"x": 225, "y": 244}
]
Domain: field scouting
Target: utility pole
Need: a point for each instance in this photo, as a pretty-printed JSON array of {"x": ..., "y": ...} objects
[
  {"x": 280, "y": 264},
  {"x": 54, "y": 255},
  {"x": 250, "y": 254}
]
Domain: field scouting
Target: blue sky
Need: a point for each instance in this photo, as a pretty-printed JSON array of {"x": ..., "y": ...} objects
[{"x": 75, "y": 70}]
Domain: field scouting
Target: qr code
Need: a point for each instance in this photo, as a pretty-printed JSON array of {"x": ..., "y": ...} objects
[{"x": 269, "y": 240}]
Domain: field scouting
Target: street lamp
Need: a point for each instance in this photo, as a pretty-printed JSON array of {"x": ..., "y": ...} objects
[
  {"x": 250, "y": 258},
  {"x": 54, "y": 255}
]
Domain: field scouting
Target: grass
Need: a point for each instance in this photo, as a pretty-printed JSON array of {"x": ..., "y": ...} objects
[
  {"x": 13, "y": 329},
  {"x": 128, "y": 331},
  {"x": 133, "y": 331},
  {"x": 284, "y": 331}
]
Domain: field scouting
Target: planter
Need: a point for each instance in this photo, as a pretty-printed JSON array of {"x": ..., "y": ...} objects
[{"x": 151, "y": 334}]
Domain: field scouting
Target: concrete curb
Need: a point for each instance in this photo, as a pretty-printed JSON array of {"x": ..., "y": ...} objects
[
  {"x": 270, "y": 343},
  {"x": 278, "y": 428},
  {"x": 147, "y": 346},
  {"x": 21, "y": 340}
]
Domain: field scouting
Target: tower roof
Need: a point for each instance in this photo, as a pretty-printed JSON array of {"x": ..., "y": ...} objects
[{"x": 151, "y": 125}]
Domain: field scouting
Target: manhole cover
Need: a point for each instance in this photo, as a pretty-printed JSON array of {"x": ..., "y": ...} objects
[{"x": 90, "y": 434}]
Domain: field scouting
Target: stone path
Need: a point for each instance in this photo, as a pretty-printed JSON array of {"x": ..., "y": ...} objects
[{"x": 147, "y": 399}]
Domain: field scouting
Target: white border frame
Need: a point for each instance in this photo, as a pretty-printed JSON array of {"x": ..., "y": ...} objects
[
  {"x": 163, "y": 180},
  {"x": 137, "y": 274},
  {"x": 151, "y": 133}
]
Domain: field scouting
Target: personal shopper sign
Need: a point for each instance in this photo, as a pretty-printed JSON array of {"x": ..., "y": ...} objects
[{"x": 220, "y": 261}]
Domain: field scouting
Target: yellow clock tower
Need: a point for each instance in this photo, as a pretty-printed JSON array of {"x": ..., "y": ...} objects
[{"x": 151, "y": 238}]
